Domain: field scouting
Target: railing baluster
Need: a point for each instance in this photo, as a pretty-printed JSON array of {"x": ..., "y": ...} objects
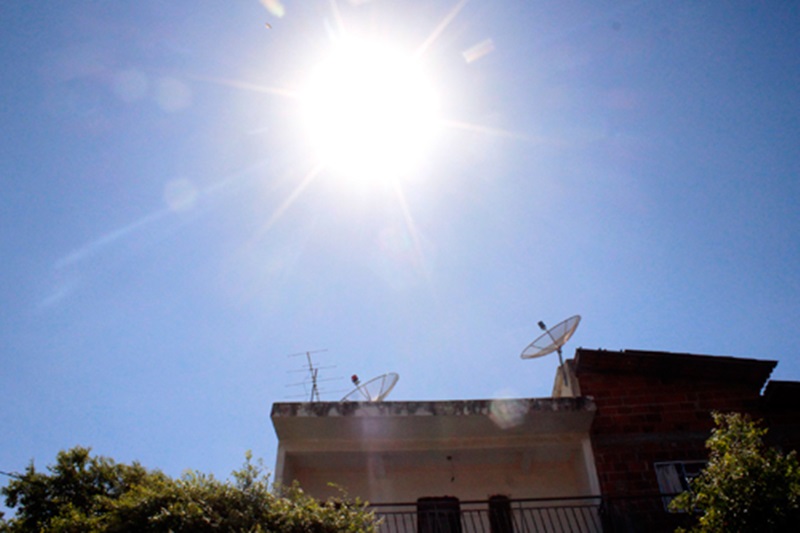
[{"x": 579, "y": 518}]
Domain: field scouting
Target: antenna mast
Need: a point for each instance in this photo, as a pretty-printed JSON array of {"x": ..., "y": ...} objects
[
  {"x": 558, "y": 345},
  {"x": 313, "y": 372}
]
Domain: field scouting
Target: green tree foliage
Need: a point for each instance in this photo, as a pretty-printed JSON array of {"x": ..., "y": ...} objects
[
  {"x": 746, "y": 486},
  {"x": 85, "y": 493}
]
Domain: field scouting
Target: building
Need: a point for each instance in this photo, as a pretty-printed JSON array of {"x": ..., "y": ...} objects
[
  {"x": 653, "y": 418},
  {"x": 622, "y": 432}
]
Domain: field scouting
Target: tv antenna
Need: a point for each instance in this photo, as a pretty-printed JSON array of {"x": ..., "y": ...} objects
[
  {"x": 374, "y": 390},
  {"x": 552, "y": 340},
  {"x": 313, "y": 378}
]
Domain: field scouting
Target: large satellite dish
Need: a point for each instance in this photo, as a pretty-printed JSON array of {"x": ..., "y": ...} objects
[
  {"x": 552, "y": 340},
  {"x": 374, "y": 390}
]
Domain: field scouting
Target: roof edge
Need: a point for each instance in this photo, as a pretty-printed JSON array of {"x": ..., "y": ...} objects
[
  {"x": 450, "y": 408},
  {"x": 668, "y": 364}
]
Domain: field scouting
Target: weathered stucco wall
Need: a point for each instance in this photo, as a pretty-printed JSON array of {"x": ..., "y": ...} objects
[{"x": 401, "y": 451}]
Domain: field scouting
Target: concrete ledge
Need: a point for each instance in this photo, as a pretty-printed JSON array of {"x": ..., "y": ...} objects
[{"x": 431, "y": 420}]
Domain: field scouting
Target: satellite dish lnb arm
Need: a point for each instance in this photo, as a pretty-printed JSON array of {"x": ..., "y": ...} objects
[{"x": 550, "y": 334}]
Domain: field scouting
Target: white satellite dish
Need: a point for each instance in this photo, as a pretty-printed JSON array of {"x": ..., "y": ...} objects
[
  {"x": 374, "y": 390},
  {"x": 552, "y": 340}
]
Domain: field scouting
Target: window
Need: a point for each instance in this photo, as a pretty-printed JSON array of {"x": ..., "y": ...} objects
[{"x": 674, "y": 477}]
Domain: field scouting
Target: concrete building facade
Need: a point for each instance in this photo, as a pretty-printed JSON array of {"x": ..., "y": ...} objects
[
  {"x": 621, "y": 432},
  {"x": 402, "y": 451}
]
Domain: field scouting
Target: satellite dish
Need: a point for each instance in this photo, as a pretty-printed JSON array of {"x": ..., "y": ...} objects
[
  {"x": 552, "y": 340},
  {"x": 374, "y": 390}
]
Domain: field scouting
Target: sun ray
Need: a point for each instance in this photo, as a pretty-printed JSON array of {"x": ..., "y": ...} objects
[
  {"x": 337, "y": 16},
  {"x": 413, "y": 232},
  {"x": 312, "y": 174},
  {"x": 441, "y": 27},
  {"x": 79, "y": 254},
  {"x": 458, "y": 124},
  {"x": 91, "y": 248},
  {"x": 247, "y": 86}
]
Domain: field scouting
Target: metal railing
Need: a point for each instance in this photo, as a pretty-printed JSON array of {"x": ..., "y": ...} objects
[
  {"x": 498, "y": 515},
  {"x": 590, "y": 514}
]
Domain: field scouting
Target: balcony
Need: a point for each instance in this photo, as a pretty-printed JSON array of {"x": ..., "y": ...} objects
[
  {"x": 498, "y": 515},
  {"x": 592, "y": 514}
]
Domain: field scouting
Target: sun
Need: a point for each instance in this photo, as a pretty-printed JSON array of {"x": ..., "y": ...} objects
[{"x": 369, "y": 111}]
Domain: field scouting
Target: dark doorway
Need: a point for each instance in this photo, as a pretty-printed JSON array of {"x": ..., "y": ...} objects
[
  {"x": 500, "y": 520},
  {"x": 438, "y": 515}
]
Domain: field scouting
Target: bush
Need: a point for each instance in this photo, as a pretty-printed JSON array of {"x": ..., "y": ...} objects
[
  {"x": 746, "y": 486},
  {"x": 85, "y": 493}
]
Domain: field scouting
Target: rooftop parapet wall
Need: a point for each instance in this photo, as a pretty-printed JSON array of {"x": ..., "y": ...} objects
[
  {"x": 429, "y": 408},
  {"x": 403, "y": 421}
]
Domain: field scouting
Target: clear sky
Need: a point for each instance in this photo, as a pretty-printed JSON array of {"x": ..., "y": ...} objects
[{"x": 169, "y": 233}]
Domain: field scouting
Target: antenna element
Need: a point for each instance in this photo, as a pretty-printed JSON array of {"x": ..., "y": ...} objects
[{"x": 313, "y": 373}]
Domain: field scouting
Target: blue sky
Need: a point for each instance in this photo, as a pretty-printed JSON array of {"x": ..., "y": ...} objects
[{"x": 166, "y": 243}]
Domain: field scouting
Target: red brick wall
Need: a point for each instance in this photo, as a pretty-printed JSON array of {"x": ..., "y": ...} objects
[{"x": 650, "y": 410}]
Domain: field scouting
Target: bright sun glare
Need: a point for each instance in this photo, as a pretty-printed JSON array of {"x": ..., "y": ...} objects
[{"x": 369, "y": 111}]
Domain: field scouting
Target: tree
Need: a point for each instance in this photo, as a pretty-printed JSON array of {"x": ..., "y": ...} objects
[
  {"x": 746, "y": 485},
  {"x": 85, "y": 493}
]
